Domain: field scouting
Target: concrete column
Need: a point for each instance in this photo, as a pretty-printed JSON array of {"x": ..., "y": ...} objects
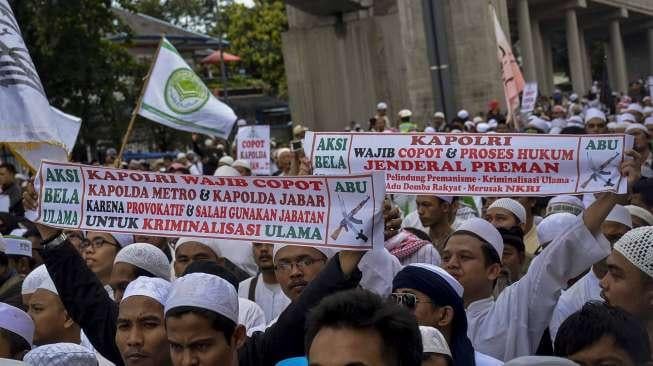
[
  {"x": 619, "y": 57},
  {"x": 574, "y": 53},
  {"x": 587, "y": 67},
  {"x": 548, "y": 63},
  {"x": 539, "y": 57},
  {"x": 526, "y": 41},
  {"x": 650, "y": 51},
  {"x": 610, "y": 65}
]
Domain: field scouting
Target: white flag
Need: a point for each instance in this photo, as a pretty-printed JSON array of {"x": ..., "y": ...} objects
[
  {"x": 26, "y": 118},
  {"x": 176, "y": 97}
]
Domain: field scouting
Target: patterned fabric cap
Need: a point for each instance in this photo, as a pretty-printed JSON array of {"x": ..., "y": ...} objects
[
  {"x": 637, "y": 246},
  {"x": 433, "y": 341},
  {"x": 64, "y": 354},
  {"x": 155, "y": 288},
  {"x": 204, "y": 291},
  {"x": 147, "y": 257},
  {"x": 33, "y": 280}
]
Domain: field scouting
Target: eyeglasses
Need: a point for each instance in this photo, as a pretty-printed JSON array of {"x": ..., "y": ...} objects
[
  {"x": 96, "y": 243},
  {"x": 301, "y": 263},
  {"x": 406, "y": 299}
]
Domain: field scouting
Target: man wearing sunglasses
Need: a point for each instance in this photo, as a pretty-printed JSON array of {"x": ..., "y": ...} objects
[{"x": 435, "y": 298}]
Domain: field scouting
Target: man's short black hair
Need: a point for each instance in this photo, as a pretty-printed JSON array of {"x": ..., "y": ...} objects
[
  {"x": 17, "y": 344},
  {"x": 218, "y": 322},
  {"x": 10, "y": 167},
  {"x": 596, "y": 320},
  {"x": 362, "y": 309},
  {"x": 513, "y": 237}
]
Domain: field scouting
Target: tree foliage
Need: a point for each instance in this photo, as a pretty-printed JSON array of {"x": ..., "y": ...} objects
[
  {"x": 83, "y": 73},
  {"x": 254, "y": 34}
]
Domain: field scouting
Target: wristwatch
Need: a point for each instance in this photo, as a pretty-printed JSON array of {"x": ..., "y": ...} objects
[{"x": 54, "y": 241}]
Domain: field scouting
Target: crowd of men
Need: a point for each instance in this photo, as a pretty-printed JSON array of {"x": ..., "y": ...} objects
[{"x": 560, "y": 280}]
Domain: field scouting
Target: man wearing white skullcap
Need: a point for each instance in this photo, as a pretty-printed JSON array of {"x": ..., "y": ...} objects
[
  {"x": 141, "y": 335},
  {"x": 434, "y": 347},
  {"x": 636, "y": 110},
  {"x": 512, "y": 324},
  {"x": 16, "y": 332},
  {"x": 595, "y": 122},
  {"x": 60, "y": 354},
  {"x": 628, "y": 283},
  {"x": 506, "y": 213},
  {"x": 243, "y": 167},
  {"x": 190, "y": 249},
  {"x": 32, "y": 282},
  {"x": 643, "y": 147},
  {"x": 284, "y": 160},
  {"x": 296, "y": 266},
  {"x": 587, "y": 287},
  {"x": 52, "y": 322},
  {"x": 225, "y": 161},
  {"x": 640, "y": 216},
  {"x": 12, "y": 258},
  {"x": 135, "y": 260},
  {"x": 565, "y": 203},
  {"x": 19, "y": 251}
]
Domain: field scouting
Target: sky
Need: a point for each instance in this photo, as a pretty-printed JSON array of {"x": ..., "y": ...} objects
[{"x": 247, "y": 3}]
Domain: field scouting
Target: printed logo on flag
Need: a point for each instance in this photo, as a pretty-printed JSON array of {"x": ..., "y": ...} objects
[{"x": 185, "y": 92}]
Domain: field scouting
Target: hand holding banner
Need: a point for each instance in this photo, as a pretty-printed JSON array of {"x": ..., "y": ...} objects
[
  {"x": 476, "y": 164},
  {"x": 337, "y": 212}
]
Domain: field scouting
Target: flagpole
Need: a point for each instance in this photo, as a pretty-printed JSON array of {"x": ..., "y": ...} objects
[{"x": 139, "y": 102}]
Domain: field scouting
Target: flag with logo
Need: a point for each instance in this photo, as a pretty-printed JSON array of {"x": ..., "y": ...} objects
[
  {"x": 513, "y": 81},
  {"x": 28, "y": 125},
  {"x": 176, "y": 97}
]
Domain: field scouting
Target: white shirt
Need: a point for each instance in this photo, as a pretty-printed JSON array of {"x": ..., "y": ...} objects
[
  {"x": 238, "y": 254},
  {"x": 251, "y": 316},
  {"x": 378, "y": 268},
  {"x": 512, "y": 325},
  {"x": 572, "y": 300},
  {"x": 269, "y": 297}
]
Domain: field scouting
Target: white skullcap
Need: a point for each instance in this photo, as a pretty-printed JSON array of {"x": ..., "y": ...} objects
[
  {"x": 554, "y": 225},
  {"x": 208, "y": 142},
  {"x": 573, "y": 97},
  {"x": 283, "y": 150},
  {"x": 16, "y": 321},
  {"x": 455, "y": 130},
  {"x": 637, "y": 127},
  {"x": 640, "y": 212},
  {"x": 635, "y": 107},
  {"x": 405, "y": 113},
  {"x": 17, "y": 245},
  {"x": 463, "y": 114},
  {"x": 154, "y": 288},
  {"x": 211, "y": 243},
  {"x": 559, "y": 122},
  {"x": 204, "y": 291},
  {"x": 477, "y": 119},
  {"x": 470, "y": 125},
  {"x": 226, "y": 171},
  {"x": 242, "y": 163},
  {"x": 511, "y": 205},
  {"x": 381, "y": 105},
  {"x": 181, "y": 155},
  {"x": 433, "y": 341},
  {"x": 637, "y": 246},
  {"x": 60, "y": 354},
  {"x": 122, "y": 239},
  {"x": 48, "y": 284},
  {"x": 429, "y": 129},
  {"x": 576, "y": 120},
  {"x": 485, "y": 231},
  {"x": 439, "y": 271},
  {"x": 648, "y": 121},
  {"x": 482, "y": 127},
  {"x": 555, "y": 131},
  {"x": 539, "y": 124},
  {"x": 438, "y": 115},
  {"x": 147, "y": 257},
  {"x": 328, "y": 252},
  {"x": 447, "y": 199},
  {"x": 627, "y": 117},
  {"x": 565, "y": 203},
  {"x": 540, "y": 361},
  {"x": 34, "y": 279},
  {"x": 241, "y": 122},
  {"x": 227, "y": 160},
  {"x": 647, "y": 110},
  {"x": 611, "y": 125},
  {"x": 594, "y": 113},
  {"x": 492, "y": 123},
  {"x": 620, "y": 214}
]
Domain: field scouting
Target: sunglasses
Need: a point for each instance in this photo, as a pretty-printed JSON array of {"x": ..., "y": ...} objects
[{"x": 407, "y": 300}]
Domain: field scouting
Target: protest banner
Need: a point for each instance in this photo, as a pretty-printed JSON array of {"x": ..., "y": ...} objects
[
  {"x": 254, "y": 146},
  {"x": 338, "y": 212},
  {"x": 476, "y": 164},
  {"x": 529, "y": 98}
]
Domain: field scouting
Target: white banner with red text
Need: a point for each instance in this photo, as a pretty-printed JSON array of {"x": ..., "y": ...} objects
[
  {"x": 476, "y": 164},
  {"x": 254, "y": 146},
  {"x": 336, "y": 211}
]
